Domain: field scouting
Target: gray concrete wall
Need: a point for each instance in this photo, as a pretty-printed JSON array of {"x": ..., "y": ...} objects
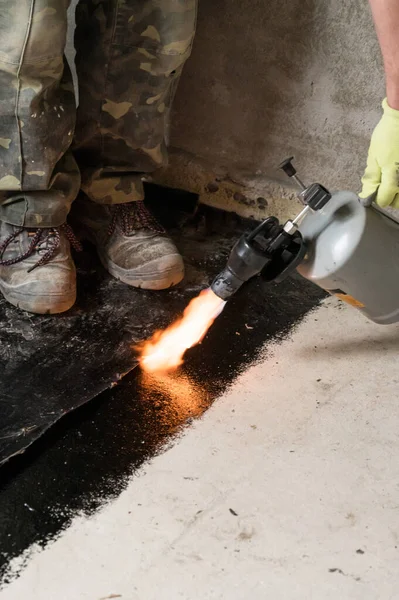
[{"x": 269, "y": 78}]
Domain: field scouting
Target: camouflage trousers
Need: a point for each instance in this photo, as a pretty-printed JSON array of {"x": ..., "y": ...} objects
[{"x": 129, "y": 57}]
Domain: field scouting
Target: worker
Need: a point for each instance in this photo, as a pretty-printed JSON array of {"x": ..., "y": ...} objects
[{"x": 129, "y": 59}]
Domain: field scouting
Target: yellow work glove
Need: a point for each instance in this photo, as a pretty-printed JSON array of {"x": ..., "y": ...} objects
[{"x": 382, "y": 171}]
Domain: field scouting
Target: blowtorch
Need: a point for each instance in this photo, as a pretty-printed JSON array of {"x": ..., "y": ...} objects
[{"x": 346, "y": 248}]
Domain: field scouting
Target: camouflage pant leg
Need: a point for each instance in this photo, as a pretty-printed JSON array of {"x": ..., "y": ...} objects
[
  {"x": 130, "y": 54},
  {"x": 38, "y": 180}
]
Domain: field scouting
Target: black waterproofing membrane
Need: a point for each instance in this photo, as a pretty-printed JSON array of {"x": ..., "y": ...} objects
[{"x": 50, "y": 365}]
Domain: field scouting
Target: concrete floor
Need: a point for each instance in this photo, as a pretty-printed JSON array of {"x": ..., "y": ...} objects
[{"x": 287, "y": 488}]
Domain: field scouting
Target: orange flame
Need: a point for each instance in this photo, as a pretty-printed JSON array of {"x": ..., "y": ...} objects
[{"x": 165, "y": 350}]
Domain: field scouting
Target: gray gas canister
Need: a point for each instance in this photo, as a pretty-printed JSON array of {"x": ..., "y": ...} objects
[{"x": 353, "y": 252}]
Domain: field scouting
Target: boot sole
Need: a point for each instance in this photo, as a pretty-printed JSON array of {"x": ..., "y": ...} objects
[
  {"x": 39, "y": 305},
  {"x": 148, "y": 281}
]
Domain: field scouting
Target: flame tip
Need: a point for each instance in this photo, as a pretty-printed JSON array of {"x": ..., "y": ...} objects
[{"x": 165, "y": 350}]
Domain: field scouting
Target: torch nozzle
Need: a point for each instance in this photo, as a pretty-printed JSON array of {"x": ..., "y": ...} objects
[
  {"x": 271, "y": 249},
  {"x": 245, "y": 261},
  {"x": 226, "y": 284}
]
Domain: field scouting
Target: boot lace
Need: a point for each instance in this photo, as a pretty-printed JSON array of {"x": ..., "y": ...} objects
[
  {"x": 132, "y": 216},
  {"x": 48, "y": 239}
]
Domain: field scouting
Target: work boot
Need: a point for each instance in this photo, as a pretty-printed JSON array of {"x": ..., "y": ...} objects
[
  {"x": 131, "y": 244},
  {"x": 37, "y": 273}
]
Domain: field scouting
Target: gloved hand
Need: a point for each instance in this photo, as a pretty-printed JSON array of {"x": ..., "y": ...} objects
[{"x": 382, "y": 171}]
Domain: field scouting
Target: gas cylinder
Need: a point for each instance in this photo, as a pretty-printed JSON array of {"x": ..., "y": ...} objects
[{"x": 352, "y": 251}]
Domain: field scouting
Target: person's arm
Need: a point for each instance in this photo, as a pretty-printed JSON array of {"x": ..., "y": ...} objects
[
  {"x": 386, "y": 20},
  {"x": 381, "y": 178}
]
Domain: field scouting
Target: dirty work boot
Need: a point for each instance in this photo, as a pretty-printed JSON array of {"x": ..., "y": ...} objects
[
  {"x": 37, "y": 273},
  {"x": 131, "y": 244}
]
